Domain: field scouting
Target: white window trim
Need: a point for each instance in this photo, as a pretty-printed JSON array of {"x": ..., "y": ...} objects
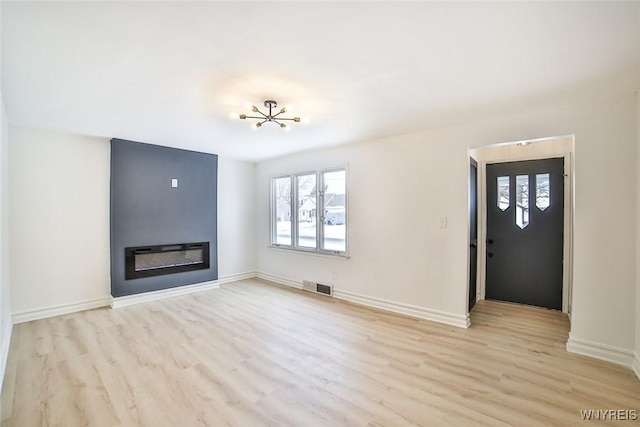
[{"x": 319, "y": 214}]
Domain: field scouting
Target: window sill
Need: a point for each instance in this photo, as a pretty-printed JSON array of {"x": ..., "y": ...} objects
[{"x": 341, "y": 256}]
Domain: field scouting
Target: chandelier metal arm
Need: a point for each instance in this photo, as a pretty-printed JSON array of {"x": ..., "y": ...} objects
[{"x": 270, "y": 104}]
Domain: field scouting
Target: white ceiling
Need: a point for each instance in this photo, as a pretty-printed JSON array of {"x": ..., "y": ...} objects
[{"x": 170, "y": 73}]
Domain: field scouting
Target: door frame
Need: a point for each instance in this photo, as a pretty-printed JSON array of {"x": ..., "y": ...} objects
[
  {"x": 569, "y": 179},
  {"x": 473, "y": 163}
]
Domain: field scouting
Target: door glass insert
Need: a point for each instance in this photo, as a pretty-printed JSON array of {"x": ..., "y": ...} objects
[
  {"x": 522, "y": 200},
  {"x": 542, "y": 191},
  {"x": 503, "y": 192}
]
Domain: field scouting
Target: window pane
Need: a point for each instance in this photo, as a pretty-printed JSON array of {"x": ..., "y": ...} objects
[
  {"x": 282, "y": 194},
  {"x": 543, "y": 199},
  {"x": 307, "y": 210},
  {"x": 503, "y": 192},
  {"x": 522, "y": 200},
  {"x": 335, "y": 218}
]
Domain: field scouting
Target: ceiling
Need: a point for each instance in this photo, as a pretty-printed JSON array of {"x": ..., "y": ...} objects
[{"x": 170, "y": 73}]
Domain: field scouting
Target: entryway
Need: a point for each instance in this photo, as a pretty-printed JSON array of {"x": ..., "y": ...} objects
[{"x": 523, "y": 223}]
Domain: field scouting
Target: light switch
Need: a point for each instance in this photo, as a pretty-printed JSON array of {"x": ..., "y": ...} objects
[
  {"x": 443, "y": 222},
  {"x": 174, "y": 182}
]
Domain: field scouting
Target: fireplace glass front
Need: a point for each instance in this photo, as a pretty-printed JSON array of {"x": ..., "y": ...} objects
[{"x": 146, "y": 261}]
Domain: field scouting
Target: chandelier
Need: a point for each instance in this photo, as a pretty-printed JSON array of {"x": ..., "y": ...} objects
[{"x": 270, "y": 117}]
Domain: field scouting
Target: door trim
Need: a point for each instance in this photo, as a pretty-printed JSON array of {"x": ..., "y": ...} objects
[
  {"x": 470, "y": 261},
  {"x": 567, "y": 268}
]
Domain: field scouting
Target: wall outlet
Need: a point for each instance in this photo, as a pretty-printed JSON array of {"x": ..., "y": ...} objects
[{"x": 334, "y": 275}]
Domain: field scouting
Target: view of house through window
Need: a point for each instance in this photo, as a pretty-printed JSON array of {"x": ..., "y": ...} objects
[
  {"x": 307, "y": 224},
  {"x": 334, "y": 223},
  {"x": 282, "y": 204},
  {"x": 309, "y": 211}
]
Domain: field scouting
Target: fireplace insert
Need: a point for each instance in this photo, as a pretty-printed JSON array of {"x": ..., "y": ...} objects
[{"x": 147, "y": 261}]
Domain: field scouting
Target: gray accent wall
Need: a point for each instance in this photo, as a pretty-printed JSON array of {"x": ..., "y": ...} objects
[{"x": 147, "y": 210}]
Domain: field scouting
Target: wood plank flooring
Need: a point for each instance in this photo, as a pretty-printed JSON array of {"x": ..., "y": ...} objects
[{"x": 257, "y": 354}]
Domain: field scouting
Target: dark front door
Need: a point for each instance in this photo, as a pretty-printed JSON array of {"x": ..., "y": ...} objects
[
  {"x": 525, "y": 216},
  {"x": 473, "y": 231}
]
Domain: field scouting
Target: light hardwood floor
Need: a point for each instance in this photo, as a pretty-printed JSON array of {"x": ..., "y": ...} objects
[{"x": 254, "y": 354}]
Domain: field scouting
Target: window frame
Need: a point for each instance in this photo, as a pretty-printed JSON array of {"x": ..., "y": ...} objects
[
  {"x": 273, "y": 222},
  {"x": 319, "y": 213}
]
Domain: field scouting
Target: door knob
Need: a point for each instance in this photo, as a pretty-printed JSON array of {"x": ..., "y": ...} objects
[
  {"x": 490, "y": 254},
  {"x": 490, "y": 241},
  {"x": 473, "y": 245}
]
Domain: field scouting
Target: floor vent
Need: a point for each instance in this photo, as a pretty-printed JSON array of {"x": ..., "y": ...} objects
[
  {"x": 318, "y": 288},
  {"x": 324, "y": 289}
]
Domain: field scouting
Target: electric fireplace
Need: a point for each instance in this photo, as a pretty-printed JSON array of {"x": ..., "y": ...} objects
[{"x": 147, "y": 261}]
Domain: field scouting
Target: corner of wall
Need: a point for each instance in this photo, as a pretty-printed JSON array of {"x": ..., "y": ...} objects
[
  {"x": 6, "y": 326},
  {"x": 636, "y": 364},
  {"x": 4, "y": 351}
]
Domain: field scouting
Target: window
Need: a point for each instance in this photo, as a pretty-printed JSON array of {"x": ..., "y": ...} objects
[
  {"x": 307, "y": 201},
  {"x": 309, "y": 211},
  {"x": 282, "y": 204}
]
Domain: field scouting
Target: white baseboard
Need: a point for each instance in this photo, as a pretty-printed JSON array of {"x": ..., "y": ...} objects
[
  {"x": 57, "y": 310},
  {"x": 600, "y": 351},
  {"x": 235, "y": 277},
  {"x": 124, "y": 301},
  {"x": 636, "y": 365},
  {"x": 280, "y": 279},
  {"x": 4, "y": 356},
  {"x": 406, "y": 309}
]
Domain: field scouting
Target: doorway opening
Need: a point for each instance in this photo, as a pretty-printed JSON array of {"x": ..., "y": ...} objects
[{"x": 514, "y": 211}]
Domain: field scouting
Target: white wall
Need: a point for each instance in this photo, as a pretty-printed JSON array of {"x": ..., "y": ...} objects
[
  {"x": 5, "y": 292},
  {"x": 60, "y": 204},
  {"x": 59, "y": 184},
  {"x": 400, "y": 186},
  {"x": 236, "y": 218}
]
